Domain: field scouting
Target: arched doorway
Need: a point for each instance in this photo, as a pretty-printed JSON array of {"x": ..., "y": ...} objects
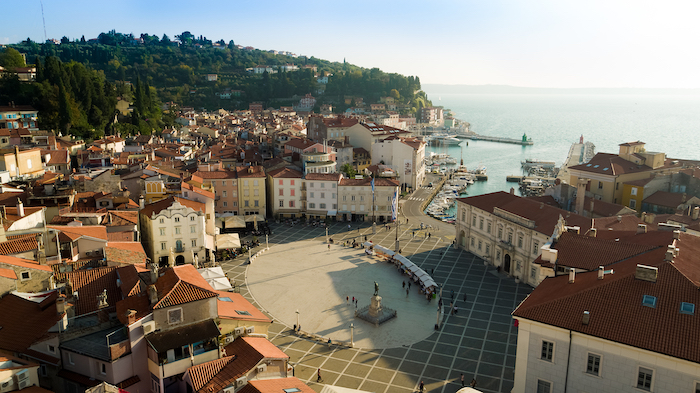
[
  {"x": 179, "y": 260},
  {"x": 462, "y": 239},
  {"x": 506, "y": 264}
]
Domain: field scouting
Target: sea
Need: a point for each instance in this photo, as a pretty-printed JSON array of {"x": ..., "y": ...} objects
[{"x": 665, "y": 122}]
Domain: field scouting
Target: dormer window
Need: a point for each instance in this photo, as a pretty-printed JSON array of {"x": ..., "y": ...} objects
[
  {"x": 649, "y": 301},
  {"x": 687, "y": 308}
]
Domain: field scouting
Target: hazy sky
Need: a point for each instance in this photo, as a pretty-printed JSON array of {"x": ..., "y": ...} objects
[{"x": 534, "y": 43}]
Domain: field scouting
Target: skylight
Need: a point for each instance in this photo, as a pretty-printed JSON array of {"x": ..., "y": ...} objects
[
  {"x": 291, "y": 390},
  {"x": 239, "y": 312},
  {"x": 605, "y": 169},
  {"x": 649, "y": 301},
  {"x": 596, "y": 166},
  {"x": 225, "y": 299},
  {"x": 589, "y": 164},
  {"x": 687, "y": 308}
]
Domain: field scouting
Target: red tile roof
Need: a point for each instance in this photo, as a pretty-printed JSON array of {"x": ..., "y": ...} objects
[
  {"x": 324, "y": 176},
  {"x": 89, "y": 284},
  {"x": 544, "y": 216},
  {"x": 276, "y": 385},
  {"x": 76, "y": 232},
  {"x": 181, "y": 284},
  {"x": 163, "y": 204},
  {"x": 203, "y": 373},
  {"x": 228, "y": 309},
  {"x": 378, "y": 182},
  {"x": 25, "y": 263},
  {"x": 8, "y": 273},
  {"x": 25, "y": 321},
  {"x": 250, "y": 171},
  {"x": 666, "y": 199},
  {"x": 19, "y": 245},
  {"x": 286, "y": 173}
]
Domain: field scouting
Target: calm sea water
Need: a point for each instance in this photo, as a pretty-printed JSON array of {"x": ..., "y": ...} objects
[{"x": 667, "y": 123}]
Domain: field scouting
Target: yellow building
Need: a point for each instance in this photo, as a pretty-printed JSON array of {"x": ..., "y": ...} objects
[
  {"x": 21, "y": 164},
  {"x": 251, "y": 191},
  {"x": 606, "y": 173}
]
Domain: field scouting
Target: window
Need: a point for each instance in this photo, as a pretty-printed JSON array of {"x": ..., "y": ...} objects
[
  {"x": 520, "y": 241},
  {"x": 281, "y": 203},
  {"x": 163, "y": 245},
  {"x": 536, "y": 248},
  {"x": 70, "y": 358},
  {"x": 282, "y": 192},
  {"x": 518, "y": 266},
  {"x": 175, "y": 316},
  {"x": 332, "y": 185},
  {"x": 223, "y": 183},
  {"x": 687, "y": 308},
  {"x": 25, "y": 276},
  {"x": 281, "y": 182},
  {"x": 547, "y": 351},
  {"x": 245, "y": 183},
  {"x": 162, "y": 221},
  {"x": 633, "y": 203},
  {"x": 193, "y": 228},
  {"x": 472, "y": 241},
  {"x": 29, "y": 163},
  {"x": 255, "y": 183},
  {"x": 344, "y": 197},
  {"x": 323, "y": 185},
  {"x": 245, "y": 203},
  {"x": 291, "y": 192},
  {"x": 644, "y": 378},
  {"x": 103, "y": 368},
  {"x": 533, "y": 273},
  {"x": 473, "y": 221},
  {"x": 162, "y": 231},
  {"x": 177, "y": 230},
  {"x": 352, "y": 197},
  {"x": 51, "y": 348},
  {"x": 235, "y": 204},
  {"x": 311, "y": 194},
  {"x": 246, "y": 192},
  {"x": 191, "y": 218},
  {"x": 500, "y": 233},
  {"x": 481, "y": 223},
  {"x": 177, "y": 219},
  {"x": 194, "y": 243},
  {"x": 255, "y": 203},
  {"x": 332, "y": 195},
  {"x": 291, "y": 203},
  {"x": 649, "y": 301},
  {"x": 312, "y": 205},
  {"x": 256, "y": 192},
  {"x": 323, "y": 195},
  {"x": 479, "y": 244},
  {"x": 464, "y": 215},
  {"x": 633, "y": 192},
  {"x": 488, "y": 227},
  {"x": 186, "y": 195},
  {"x": 323, "y": 205},
  {"x": 600, "y": 185},
  {"x": 488, "y": 249},
  {"x": 311, "y": 185},
  {"x": 225, "y": 194},
  {"x": 593, "y": 365},
  {"x": 42, "y": 370},
  {"x": 544, "y": 386}
]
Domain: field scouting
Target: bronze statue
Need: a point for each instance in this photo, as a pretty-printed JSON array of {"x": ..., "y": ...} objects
[{"x": 376, "y": 289}]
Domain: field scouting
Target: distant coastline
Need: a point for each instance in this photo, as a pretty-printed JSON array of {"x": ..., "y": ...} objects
[{"x": 505, "y": 89}]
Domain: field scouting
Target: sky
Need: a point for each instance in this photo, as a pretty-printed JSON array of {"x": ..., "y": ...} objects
[{"x": 534, "y": 43}]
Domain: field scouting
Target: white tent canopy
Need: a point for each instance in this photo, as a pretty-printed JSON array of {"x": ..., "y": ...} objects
[
  {"x": 228, "y": 240},
  {"x": 230, "y": 222},
  {"x": 216, "y": 278}
]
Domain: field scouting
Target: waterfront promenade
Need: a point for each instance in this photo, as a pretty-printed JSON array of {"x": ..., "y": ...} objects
[{"x": 479, "y": 341}]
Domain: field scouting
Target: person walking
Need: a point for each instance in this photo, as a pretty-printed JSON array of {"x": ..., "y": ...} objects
[
  {"x": 406, "y": 292},
  {"x": 464, "y": 297},
  {"x": 421, "y": 387},
  {"x": 318, "y": 375},
  {"x": 347, "y": 299},
  {"x": 429, "y": 235},
  {"x": 409, "y": 285},
  {"x": 353, "y": 299},
  {"x": 461, "y": 377},
  {"x": 473, "y": 383},
  {"x": 348, "y": 230},
  {"x": 329, "y": 247},
  {"x": 403, "y": 284}
]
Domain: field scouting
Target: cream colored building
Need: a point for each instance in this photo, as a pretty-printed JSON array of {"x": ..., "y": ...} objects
[
  {"x": 251, "y": 191},
  {"x": 22, "y": 164},
  {"x": 406, "y": 156},
  {"x": 284, "y": 190},
  {"x": 355, "y": 199},
  {"x": 173, "y": 231}
]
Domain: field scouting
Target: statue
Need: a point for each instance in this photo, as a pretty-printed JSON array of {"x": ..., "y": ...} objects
[{"x": 376, "y": 289}]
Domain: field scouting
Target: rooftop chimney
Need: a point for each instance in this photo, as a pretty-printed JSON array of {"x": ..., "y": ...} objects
[
  {"x": 512, "y": 191},
  {"x": 601, "y": 272},
  {"x": 142, "y": 202},
  {"x": 646, "y": 273},
  {"x": 676, "y": 235},
  {"x": 61, "y": 304},
  {"x": 593, "y": 232},
  {"x": 586, "y": 317},
  {"x": 670, "y": 253},
  {"x": 572, "y": 276},
  {"x": 131, "y": 316},
  {"x": 619, "y": 218},
  {"x": 152, "y": 295},
  {"x": 20, "y": 208},
  {"x": 696, "y": 213},
  {"x": 641, "y": 228}
]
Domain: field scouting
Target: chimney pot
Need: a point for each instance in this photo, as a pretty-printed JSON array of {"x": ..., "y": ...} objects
[
  {"x": 61, "y": 304},
  {"x": 586, "y": 317},
  {"x": 572, "y": 276},
  {"x": 641, "y": 228},
  {"x": 676, "y": 235},
  {"x": 593, "y": 232},
  {"x": 601, "y": 272},
  {"x": 696, "y": 213},
  {"x": 131, "y": 316},
  {"x": 152, "y": 294}
]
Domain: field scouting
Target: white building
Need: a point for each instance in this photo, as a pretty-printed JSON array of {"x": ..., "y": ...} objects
[
  {"x": 355, "y": 199},
  {"x": 173, "y": 231},
  {"x": 631, "y": 331},
  {"x": 405, "y": 156},
  {"x": 321, "y": 191}
]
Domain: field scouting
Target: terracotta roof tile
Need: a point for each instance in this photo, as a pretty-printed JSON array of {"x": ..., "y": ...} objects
[
  {"x": 181, "y": 284},
  {"x": 201, "y": 374},
  {"x": 276, "y": 385},
  {"x": 227, "y": 309},
  {"x": 74, "y": 233},
  {"x": 18, "y": 333},
  {"x": 8, "y": 273},
  {"x": 19, "y": 245},
  {"x": 379, "y": 182},
  {"x": 159, "y": 206},
  {"x": 286, "y": 173},
  {"x": 25, "y": 263},
  {"x": 89, "y": 284},
  {"x": 323, "y": 176}
]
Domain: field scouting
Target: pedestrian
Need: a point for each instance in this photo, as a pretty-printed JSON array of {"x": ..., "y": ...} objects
[
  {"x": 406, "y": 292},
  {"x": 409, "y": 285},
  {"x": 456, "y": 309},
  {"x": 353, "y": 299},
  {"x": 329, "y": 342},
  {"x": 365, "y": 237},
  {"x": 318, "y": 375},
  {"x": 403, "y": 284},
  {"x": 432, "y": 271},
  {"x": 329, "y": 247},
  {"x": 421, "y": 386},
  {"x": 356, "y": 305},
  {"x": 347, "y": 299},
  {"x": 473, "y": 384},
  {"x": 461, "y": 377},
  {"x": 429, "y": 235},
  {"x": 464, "y": 297},
  {"x": 348, "y": 230}
]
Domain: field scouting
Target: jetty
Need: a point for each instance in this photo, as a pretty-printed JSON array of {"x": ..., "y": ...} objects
[
  {"x": 525, "y": 141},
  {"x": 579, "y": 153}
]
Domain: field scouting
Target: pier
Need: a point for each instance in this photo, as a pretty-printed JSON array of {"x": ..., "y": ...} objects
[{"x": 524, "y": 141}]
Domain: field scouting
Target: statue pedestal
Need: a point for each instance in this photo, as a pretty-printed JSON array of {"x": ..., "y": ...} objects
[
  {"x": 375, "y": 313},
  {"x": 375, "y": 307}
]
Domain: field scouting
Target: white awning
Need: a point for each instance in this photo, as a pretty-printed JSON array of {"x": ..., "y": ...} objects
[
  {"x": 332, "y": 213},
  {"x": 228, "y": 240},
  {"x": 230, "y": 222}
]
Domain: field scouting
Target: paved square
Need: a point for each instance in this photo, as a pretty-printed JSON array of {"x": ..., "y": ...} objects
[{"x": 479, "y": 341}]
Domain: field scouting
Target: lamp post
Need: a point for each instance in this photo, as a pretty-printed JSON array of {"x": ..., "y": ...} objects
[
  {"x": 298, "y": 319},
  {"x": 326, "y": 234},
  {"x": 396, "y": 238},
  {"x": 267, "y": 243},
  {"x": 352, "y": 335}
]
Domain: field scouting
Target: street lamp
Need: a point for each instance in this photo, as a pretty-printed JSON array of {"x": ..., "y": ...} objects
[
  {"x": 267, "y": 243},
  {"x": 398, "y": 223},
  {"x": 326, "y": 234},
  {"x": 298, "y": 327},
  {"x": 352, "y": 335}
]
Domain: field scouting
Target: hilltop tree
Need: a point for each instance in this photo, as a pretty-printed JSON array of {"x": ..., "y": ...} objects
[{"x": 11, "y": 58}]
